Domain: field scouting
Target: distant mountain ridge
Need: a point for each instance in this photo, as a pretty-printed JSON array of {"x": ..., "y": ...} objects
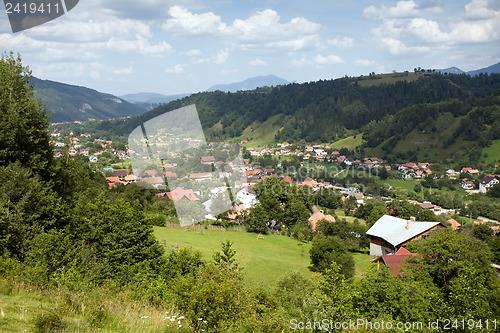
[
  {"x": 488, "y": 70},
  {"x": 493, "y": 69},
  {"x": 250, "y": 84},
  {"x": 148, "y": 97},
  {"x": 69, "y": 103}
]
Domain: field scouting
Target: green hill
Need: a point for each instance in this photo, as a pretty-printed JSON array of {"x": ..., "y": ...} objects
[
  {"x": 70, "y": 103},
  {"x": 399, "y": 115}
]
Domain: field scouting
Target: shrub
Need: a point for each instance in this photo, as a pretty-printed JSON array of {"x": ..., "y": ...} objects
[{"x": 48, "y": 322}]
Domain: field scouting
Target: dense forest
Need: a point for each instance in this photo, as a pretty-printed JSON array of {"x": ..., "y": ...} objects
[{"x": 62, "y": 229}]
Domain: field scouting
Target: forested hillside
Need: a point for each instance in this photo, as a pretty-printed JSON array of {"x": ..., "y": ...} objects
[
  {"x": 66, "y": 102},
  {"x": 386, "y": 108}
]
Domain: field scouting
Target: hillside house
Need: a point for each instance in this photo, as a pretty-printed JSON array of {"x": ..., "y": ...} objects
[
  {"x": 130, "y": 178},
  {"x": 201, "y": 176},
  {"x": 121, "y": 173},
  {"x": 395, "y": 261},
  {"x": 469, "y": 171},
  {"x": 156, "y": 182},
  {"x": 319, "y": 215},
  {"x": 360, "y": 198},
  {"x": 454, "y": 224},
  {"x": 391, "y": 233},
  {"x": 178, "y": 194},
  {"x": 247, "y": 197},
  {"x": 207, "y": 159},
  {"x": 487, "y": 183}
]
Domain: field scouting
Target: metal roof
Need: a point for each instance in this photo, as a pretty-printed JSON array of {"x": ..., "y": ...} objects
[{"x": 393, "y": 229}]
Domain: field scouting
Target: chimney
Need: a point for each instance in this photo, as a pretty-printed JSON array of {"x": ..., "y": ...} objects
[
  {"x": 412, "y": 218},
  {"x": 408, "y": 223}
]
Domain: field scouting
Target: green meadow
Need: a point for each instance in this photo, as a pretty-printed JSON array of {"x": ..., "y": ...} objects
[{"x": 264, "y": 260}]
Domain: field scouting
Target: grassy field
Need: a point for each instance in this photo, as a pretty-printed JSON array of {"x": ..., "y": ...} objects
[
  {"x": 362, "y": 263},
  {"x": 400, "y": 183},
  {"x": 27, "y": 309},
  {"x": 261, "y": 134},
  {"x": 493, "y": 153},
  {"x": 389, "y": 78},
  {"x": 264, "y": 260},
  {"x": 350, "y": 142}
]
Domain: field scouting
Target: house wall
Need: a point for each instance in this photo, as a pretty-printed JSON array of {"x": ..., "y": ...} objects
[{"x": 379, "y": 247}]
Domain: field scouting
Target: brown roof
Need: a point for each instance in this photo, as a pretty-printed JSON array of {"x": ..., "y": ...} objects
[
  {"x": 151, "y": 172},
  {"x": 454, "y": 224},
  {"x": 320, "y": 215},
  {"x": 207, "y": 159},
  {"x": 121, "y": 173},
  {"x": 130, "y": 178},
  {"x": 180, "y": 193},
  {"x": 112, "y": 179},
  {"x": 426, "y": 205},
  {"x": 200, "y": 175},
  {"x": 153, "y": 180},
  {"x": 396, "y": 261}
]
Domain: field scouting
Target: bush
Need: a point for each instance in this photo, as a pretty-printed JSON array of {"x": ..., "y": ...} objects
[
  {"x": 213, "y": 297},
  {"x": 327, "y": 249},
  {"x": 48, "y": 322},
  {"x": 158, "y": 221}
]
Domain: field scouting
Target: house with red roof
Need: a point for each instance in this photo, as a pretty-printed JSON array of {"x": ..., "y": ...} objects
[
  {"x": 396, "y": 261},
  {"x": 319, "y": 215},
  {"x": 178, "y": 194},
  {"x": 454, "y": 224}
]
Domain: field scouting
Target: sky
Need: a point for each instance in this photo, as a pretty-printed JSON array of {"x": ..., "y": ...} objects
[{"x": 186, "y": 46}]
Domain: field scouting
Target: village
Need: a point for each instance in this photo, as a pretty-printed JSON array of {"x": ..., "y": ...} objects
[{"x": 313, "y": 164}]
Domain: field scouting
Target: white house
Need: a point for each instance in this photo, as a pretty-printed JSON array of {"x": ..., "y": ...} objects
[
  {"x": 246, "y": 197},
  {"x": 487, "y": 183},
  {"x": 391, "y": 233}
]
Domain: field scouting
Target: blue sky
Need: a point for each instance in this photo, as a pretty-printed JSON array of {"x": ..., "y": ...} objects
[{"x": 171, "y": 47}]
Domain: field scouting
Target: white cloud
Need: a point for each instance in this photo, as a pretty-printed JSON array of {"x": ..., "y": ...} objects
[
  {"x": 262, "y": 31},
  {"x": 405, "y": 28},
  {"x": 193, "y": 52},
  {"x": 478, "y": 10},
  {"x": 397, "y": 47},
  {"x": 343, "y": 43},
  {"x": 175, "y": 69},
  {"x": 123, "y": 71},
  {"x": 300, "y": 62},
  {"x": 258, "y": 62},
  {"x": 221, "y": 56},
  {"x": 328, "y": 60},
  {"x": 364, "y": 62},
  {"x": 403, "y": 9},
  {"x": 185, "y": 23},
  {"x": 427, "y": 30}
]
